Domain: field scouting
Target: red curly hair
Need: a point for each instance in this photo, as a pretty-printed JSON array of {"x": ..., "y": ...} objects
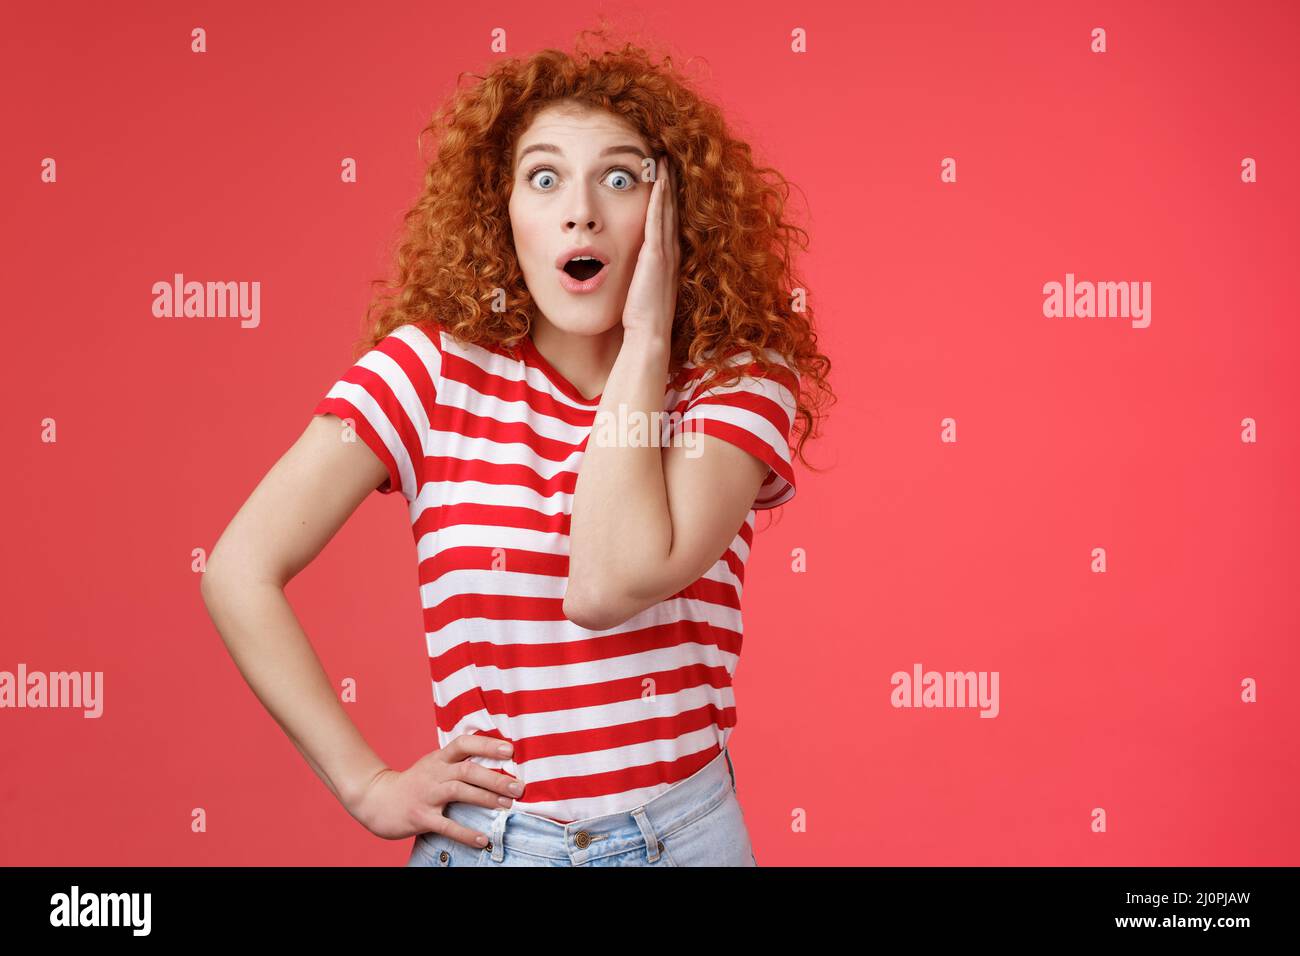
[{"x": 736, "y": 279}]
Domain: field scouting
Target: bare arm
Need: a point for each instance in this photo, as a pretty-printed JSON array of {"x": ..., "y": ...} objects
[
  {"x": 286, "y": 522},
  {"x": 289, "y": 518},
  {"x": 647, "y": 521}
]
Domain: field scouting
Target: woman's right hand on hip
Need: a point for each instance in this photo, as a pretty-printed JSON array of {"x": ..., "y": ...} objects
[{"x": 397, "y": 804}]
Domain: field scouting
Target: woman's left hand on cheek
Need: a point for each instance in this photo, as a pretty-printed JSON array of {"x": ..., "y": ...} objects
[{"x": 652, "y": 295}]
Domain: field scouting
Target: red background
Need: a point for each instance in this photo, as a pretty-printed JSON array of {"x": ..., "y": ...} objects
[{"x": 1118, "y": 690}]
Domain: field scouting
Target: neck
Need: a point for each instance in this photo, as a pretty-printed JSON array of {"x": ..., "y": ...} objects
[{"x": 585, "y": 360}]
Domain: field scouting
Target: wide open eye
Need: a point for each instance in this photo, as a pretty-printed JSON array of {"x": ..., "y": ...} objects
[
  {"x": 624, "y": 175},
  {"x": 535, "y": 175}
]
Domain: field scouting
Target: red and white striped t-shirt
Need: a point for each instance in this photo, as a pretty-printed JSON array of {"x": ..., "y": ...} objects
[{"x": 485, "y": 445}]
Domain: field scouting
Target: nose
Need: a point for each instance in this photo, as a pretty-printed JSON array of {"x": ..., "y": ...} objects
[
  {"x": 583, "y": 212},
  {"x": 587, "y": 219}
]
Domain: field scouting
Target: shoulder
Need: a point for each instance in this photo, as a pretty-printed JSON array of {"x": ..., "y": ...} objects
[
  {"x": 418, "y": 349},
  {"x": 423, "y": 336},
  {"x": 761, "y": 371}
]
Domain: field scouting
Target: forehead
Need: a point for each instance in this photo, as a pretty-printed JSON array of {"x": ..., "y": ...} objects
[{"x": 570, "y": 127}]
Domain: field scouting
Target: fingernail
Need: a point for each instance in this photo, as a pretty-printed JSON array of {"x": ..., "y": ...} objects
[
  {"x": 504, "y": 801},
  {"x": 516, "y": 788},
  {"x": 504, "y": 749}
]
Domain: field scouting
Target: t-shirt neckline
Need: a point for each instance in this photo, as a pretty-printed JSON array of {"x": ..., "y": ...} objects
[{"x": 558, "y": 380}]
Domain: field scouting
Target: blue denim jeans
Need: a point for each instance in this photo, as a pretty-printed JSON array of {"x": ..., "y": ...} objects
[{"x": 695, "y": 822}]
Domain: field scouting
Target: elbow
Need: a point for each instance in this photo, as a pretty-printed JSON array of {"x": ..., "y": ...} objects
[
  {"x": 211, "y": 576},
  {"x": 585, "y": 613},
  {"x": 211, "y": 587},
  {"x": 218, "y": 586},
  {"x": 208, "y": 586},
  {"x": 227, "y": 575},
  {"x": 594, "y": 611},
  {"x": 214, "y": 573}
]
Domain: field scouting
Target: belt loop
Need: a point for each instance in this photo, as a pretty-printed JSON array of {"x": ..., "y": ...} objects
[
  {"x": 647, "y": 831},
  {"x": 499, "y": 834},
  {"x": 730, "y": 769}
]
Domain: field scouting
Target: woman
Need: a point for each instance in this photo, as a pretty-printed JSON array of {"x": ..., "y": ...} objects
[{"x": 584, "y": 383}]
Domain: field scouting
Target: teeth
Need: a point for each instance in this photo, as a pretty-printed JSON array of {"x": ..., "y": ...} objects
[{"x": 580, "y": 258}]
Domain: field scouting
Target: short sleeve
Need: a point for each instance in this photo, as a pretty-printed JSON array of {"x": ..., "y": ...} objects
[
  {"x": 388, "y": 395},
  {"x": 754, "y": 412}
]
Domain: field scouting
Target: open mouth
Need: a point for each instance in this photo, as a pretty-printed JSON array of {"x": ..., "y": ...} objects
[{"x": 583, "y": 268}]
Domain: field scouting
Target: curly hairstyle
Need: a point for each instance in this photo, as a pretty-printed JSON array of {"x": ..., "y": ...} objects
[{"x": 736, "y": 279}]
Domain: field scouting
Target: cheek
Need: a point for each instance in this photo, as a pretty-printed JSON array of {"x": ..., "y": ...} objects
[
  {"x": 528, "y": 244},
  {"x": 520, "y": 218},
  {"x": 631, "y": 235}
]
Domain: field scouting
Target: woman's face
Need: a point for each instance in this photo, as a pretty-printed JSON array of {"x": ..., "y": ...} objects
[{"x": 577, "y": 183}]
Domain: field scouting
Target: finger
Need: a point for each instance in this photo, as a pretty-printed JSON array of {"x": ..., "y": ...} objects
[
  {"x": 475, "y": 745},
  {"x": 455, "y": 831},
  {"x": 486, "y": 779},
  {"x": 670, "y": 207},
  {"x": 653, "y": 215},
  {"x": 459, "y": 791}
]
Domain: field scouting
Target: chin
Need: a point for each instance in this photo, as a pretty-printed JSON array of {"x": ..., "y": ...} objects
[{"x": 580, "y": 321}]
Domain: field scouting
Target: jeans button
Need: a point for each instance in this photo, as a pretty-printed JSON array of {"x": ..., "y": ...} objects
[
  {"x": 583, "y": 839},
  {"x": 443, "y": 857}
]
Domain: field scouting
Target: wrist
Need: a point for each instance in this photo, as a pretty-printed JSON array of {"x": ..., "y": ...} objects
[
  {"x": 645, "y": 341},
  {"x": 354, "y": 788}
]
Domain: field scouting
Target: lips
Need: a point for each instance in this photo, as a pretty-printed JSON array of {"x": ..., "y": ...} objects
[
  {"x": 582, "y": 268},
  {"x": 564, "y": 257}
]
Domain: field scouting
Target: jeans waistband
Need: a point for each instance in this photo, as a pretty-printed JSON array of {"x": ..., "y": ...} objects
[{"x": 582, "y": 840}]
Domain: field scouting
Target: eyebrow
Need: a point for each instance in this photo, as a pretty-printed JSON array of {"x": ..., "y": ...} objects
[{"x": 607, "y": 151}]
